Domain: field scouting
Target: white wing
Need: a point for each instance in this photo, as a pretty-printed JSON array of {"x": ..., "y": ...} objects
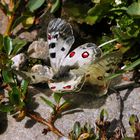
[
  {"x": 60, "y": 40},
  {"x": 82, "y": 56}
]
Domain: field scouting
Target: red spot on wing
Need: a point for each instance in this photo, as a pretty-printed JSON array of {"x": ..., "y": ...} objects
[
  {"x": 49, "y": 37},
  {"x": 85, "y": 54},
  {"x": 71, "y": 54},
  {"x": 67, "y": 87},
  {"x": 53, "y": 87}
]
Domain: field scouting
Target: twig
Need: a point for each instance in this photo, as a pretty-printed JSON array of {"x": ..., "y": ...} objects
[
  {"x": 126, "y": 86},
  {"x": 8, "y": 30},
  {"x": 43, "y": 121}
]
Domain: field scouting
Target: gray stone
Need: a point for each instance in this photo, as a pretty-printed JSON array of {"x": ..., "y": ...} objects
[
  {"x": 38, "y": 49},
  {"x": 18, "y": 61}
]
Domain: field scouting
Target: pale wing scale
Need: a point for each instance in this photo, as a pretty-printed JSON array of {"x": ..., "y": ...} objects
[{"x": 60, "y": 40}]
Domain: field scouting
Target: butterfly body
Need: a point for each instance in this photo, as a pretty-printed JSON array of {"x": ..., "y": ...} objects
[{"x": 84, "y": 65}]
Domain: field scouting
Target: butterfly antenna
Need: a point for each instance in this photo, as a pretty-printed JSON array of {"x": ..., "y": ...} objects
[{"x": 110, "y": 41}]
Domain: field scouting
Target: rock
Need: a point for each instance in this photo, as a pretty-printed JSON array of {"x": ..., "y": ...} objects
[
  {"x": 29, "y": 36},
  {"x": 38, "y": 49},
  {"x": 18, "y": 61}
]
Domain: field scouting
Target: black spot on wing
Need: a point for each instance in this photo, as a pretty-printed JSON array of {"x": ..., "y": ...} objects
[
  {"x": 55, "y": 36},
  {"x": 52, "y": 45},
  {"x": 33, "y": 76},
  {"x": 52, "y": 55},
  {"x": 62, "y": 49}
]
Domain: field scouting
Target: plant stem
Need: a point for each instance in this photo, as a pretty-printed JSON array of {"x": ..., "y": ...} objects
[
  {"x": 8, "y": 30},
  {"x": 43, "y": 121},
  {"x": 110, "y": 41}
]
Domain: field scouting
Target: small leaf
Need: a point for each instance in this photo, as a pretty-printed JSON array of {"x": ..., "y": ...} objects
[
  {"x": 134, "y": 9},
  {"x": 64, "y": 105},
  {"x": 24, "y": 86},
  {"x": 6, "y": 108},
  {"x": 132, "y": 121},
  {"x": 18, "y": 21},
  {"x": 7, "y": 76},
  {"x": 57, "y": 97},
  {"x": 103, "y": 115},
  {"x": 8, "y": 44},
  {"x": 34, "y": 4},
  {"x": 15, "y": 96},
  {"x": 132, "y": 65},
  {"x": 77, "y": 129},
  {"x": 18, "y": 44},
  {"x": 28, "y": 22},
  {"x": 49, "y": 103},
  {"x": 55, "y": 6}
]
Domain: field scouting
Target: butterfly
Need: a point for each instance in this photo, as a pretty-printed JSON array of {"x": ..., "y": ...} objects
[{"x": 70, "y": 70}]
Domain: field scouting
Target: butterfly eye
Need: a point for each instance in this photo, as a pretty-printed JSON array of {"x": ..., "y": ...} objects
[
  {"x": 72, "y": 54},
  {"x": 67, "y": 87},
  {"x": 53, "y": 87},
  {"x": 85, "y": 54}
]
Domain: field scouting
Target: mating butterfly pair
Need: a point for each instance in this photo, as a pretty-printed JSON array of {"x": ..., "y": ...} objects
[{"x": 69, "y": 71}]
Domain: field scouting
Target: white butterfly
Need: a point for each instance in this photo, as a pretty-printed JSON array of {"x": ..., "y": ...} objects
[{"x": 69, "y": 71}]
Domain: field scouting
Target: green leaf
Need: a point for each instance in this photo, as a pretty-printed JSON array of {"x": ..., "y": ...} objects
[
  {"x": 133, "y": 119},
  {"x": 28, "y": 22},
  {"x": 8, "y": 44},
  {"x": 7, "y": 76},
  {"x": 34, "y": 4},
  {"x": 132, "y": 65},
  {"x": 118, "y": 73},
  {"x": 98, "y": 11},
  {"x": 134, "y": 9},
  {"x": 103, "y": 115},
  {"x": 77, "y": 129},
  {"x": 15, "y": 96},
  {"x": 55, "y": 6},
  {"x": 57, "y": 97},
  {"x": 64, "y": 105},
  {"x": 128, "y": 68},
  {"x": 18, "y": 21},
  {"x": 49, "y": 103},
  {"x": 6, "y": 108},
  {"x": 24, "y": 86},
  {"x": 18, "y": 44}
]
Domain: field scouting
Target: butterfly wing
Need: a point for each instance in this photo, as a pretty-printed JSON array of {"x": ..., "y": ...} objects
[
  {"x": 82, "y": 56},
  {"x": 60, "y": 40},
  {"x": 71, "y": 76},
  {"x": 98, "y": 71}
]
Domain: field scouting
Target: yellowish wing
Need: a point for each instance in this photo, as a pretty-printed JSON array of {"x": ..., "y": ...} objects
[{"x": 96, "y": 73}]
